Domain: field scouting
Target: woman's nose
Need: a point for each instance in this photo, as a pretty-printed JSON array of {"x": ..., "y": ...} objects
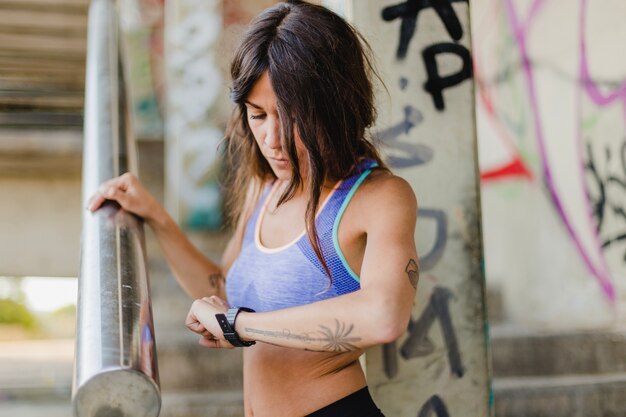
[{"x": 272, "y": 135}]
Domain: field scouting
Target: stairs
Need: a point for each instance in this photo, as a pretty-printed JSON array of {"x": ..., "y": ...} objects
[
  {"x": 36, "y": 376},
  {"x": 558, "y": 374},
  {"x": 42, "y": 62},
  {"x": 184, "y": 404},
  {"x": 42, "y": 75},
  {"x": 194, "y": 382}
]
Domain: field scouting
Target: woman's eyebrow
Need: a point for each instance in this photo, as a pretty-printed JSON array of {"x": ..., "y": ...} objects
[{"x": 256, "y": 106}]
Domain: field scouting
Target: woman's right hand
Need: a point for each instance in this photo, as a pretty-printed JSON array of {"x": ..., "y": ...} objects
[{"x": 130, "y": 194}]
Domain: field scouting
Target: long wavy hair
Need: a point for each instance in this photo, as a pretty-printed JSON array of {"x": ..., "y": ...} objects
[{"x": 321, "y": 71}]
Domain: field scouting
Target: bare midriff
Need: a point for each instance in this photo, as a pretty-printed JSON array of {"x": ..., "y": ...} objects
[{"x": 285, "y": 382}]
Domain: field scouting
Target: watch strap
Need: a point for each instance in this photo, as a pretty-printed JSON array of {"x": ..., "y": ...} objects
[{"x": 227, "y": 324}]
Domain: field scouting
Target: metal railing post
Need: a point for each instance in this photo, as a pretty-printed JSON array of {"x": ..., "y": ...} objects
[{"x": 115, "y": 368}]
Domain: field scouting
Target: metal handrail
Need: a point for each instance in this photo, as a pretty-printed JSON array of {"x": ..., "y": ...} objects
[{"x": 115, "y": 366}]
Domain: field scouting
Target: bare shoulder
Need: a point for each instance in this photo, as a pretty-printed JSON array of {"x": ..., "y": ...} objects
[
  {"x": 382, "y": 188},
  {"x": 385, "y": 193}
]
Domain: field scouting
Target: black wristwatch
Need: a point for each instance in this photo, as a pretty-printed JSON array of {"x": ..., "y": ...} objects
[{"x": 227, "y": 323}]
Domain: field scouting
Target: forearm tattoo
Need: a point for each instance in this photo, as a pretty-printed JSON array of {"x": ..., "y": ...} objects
[
  {"x": 413, "y": 271},
  {"x": 216, "y": 280},
  {"x": 338, "y": 339}
]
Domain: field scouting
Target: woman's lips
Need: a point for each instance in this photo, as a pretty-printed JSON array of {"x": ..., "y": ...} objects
[{"x": 281, "y": 161}]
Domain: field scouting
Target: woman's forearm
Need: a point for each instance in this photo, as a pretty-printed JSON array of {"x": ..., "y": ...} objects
[
  {"x": 198, "y": 276},
  {"x": 353, "y": 321},
  {"x": 196, "y": 273}
]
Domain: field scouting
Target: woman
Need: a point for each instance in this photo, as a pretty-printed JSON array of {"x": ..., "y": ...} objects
[{"x": 322, "y": 263}]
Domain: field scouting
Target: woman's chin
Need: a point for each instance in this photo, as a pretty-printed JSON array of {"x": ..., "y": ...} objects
[
  {"x": 282, "y": 174},
  {"x": 282, "y": 169}
]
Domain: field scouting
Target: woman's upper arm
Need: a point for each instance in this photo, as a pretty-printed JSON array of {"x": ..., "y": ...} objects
[{"x": 390, "y": 263}]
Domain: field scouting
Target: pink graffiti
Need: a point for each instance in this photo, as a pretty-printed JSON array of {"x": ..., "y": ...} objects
[
  {"x": 599, "y": 269},
  {"x": 514, "y": 167},
  {"x": 590, "y": 86}
]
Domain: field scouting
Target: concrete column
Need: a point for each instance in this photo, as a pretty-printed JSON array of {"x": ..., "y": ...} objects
[
  {"x": 194, "y": 85},
  {"x": 200, "y": 37},
  {"x": 427, "y": 130}
]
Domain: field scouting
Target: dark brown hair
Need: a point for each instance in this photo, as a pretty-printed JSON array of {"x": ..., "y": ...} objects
[{"x": 321, "y": 72}]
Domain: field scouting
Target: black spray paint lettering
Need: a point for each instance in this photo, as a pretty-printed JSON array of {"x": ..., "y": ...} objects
[
  {"x": 432, "y": 258},
  {"x": 411, "y": 154},
  {"x": 606, "y": 193},
  {"x": 437, "y": 83},
  {"x": 434, "y": 404},
  {"x": 408, "y": 12},
  {"x": 418, "y": 344},
  {"x": 390, "y": 359}
]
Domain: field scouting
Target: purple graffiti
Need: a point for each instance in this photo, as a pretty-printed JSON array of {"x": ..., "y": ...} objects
[{"x": 520, "y": 30}]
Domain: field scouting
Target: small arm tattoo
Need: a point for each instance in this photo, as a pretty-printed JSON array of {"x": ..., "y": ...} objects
[
  {"x": 285, "y": 334},
  {"x": 413, "y": 271},
  {"x": 216, "y": 280},
  {"x": 338, "y": 339}
]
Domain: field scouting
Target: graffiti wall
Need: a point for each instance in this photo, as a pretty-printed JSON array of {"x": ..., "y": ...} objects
[
  {"x": 200, "y": 36},
  {"x": 195, "y": 84},
  {"x": 551, "y": 115},
  {"x": 141, "y": 22},
  {"x": 426, "y": 129}
]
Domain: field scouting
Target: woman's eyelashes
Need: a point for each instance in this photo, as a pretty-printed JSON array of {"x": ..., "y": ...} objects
[{"x": 256, "y": 116}]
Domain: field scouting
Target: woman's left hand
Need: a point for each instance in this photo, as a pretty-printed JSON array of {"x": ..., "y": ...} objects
[{"x": 201, "y": 319}]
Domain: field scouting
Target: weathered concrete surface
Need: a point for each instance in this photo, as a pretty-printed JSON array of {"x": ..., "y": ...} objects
[
  {"x": 224, "y": 403},
  {"x": 426, "y": 129},
  {"x": 526, "y": 353},
  {"x": 564, "y": 396},
  {"x": 551, "y": 126}
]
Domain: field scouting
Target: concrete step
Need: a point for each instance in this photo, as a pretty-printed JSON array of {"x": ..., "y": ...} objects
[
  {"x": 224, "y": 403},
  {"x": 183, "y": 364},
  {"x": 561, "y": 396},
  {"x": 41, "y": 118},
  {"x": 36, "y": 369},
  {"x": 518, "y": 352},
  {"x": 41, "y": 152},
  {"x": 42, "y": 369},
  {"x": 42, "y": 61},
  {"x": 66, "y": 6}
]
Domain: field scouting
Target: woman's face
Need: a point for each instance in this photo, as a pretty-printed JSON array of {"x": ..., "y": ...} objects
[{"x": 265, "y": 125}]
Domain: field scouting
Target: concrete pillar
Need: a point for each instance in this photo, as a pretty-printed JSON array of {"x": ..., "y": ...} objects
[
  {"x": 200, "y": 36},
  {"x": 195, "y": 83},
  {"x": 426, "y": 129}
]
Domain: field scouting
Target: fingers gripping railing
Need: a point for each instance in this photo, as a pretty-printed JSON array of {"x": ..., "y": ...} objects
[{"x": 115, "y": 369}]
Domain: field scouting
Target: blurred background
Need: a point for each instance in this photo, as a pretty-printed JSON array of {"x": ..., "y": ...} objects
[{"x": 549, "y": 112}]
